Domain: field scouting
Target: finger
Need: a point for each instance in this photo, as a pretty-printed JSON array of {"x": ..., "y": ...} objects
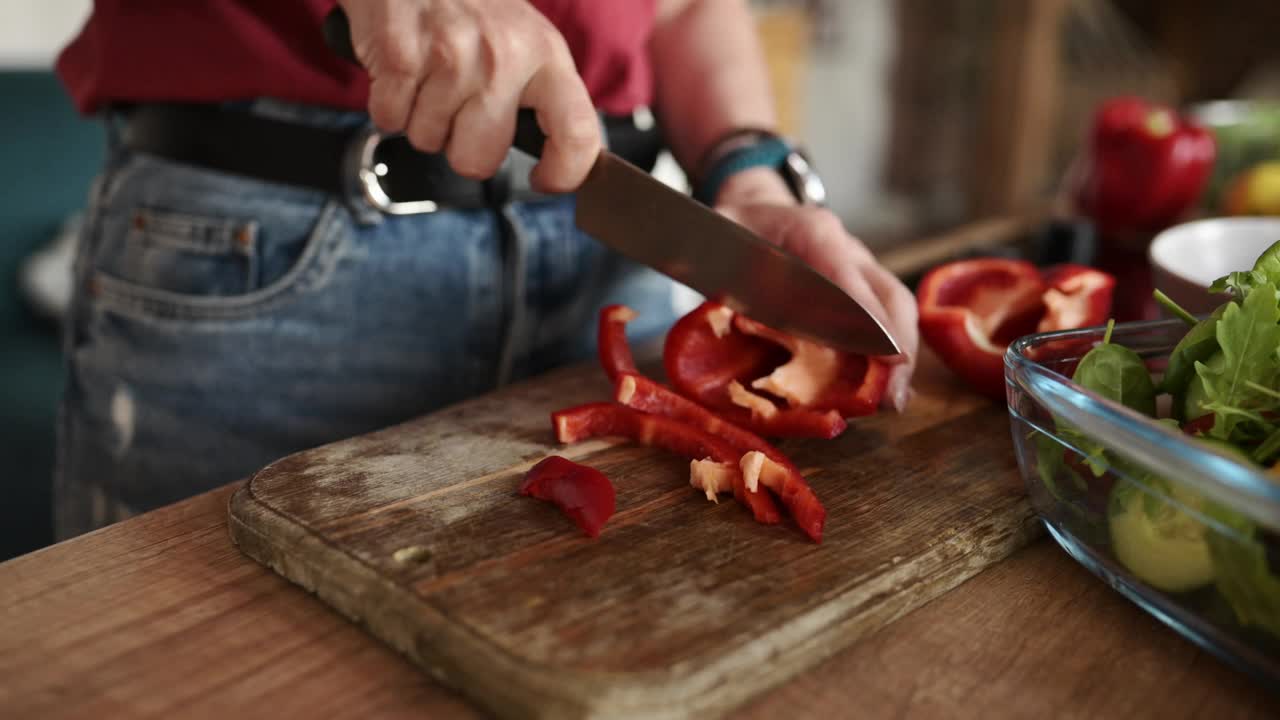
[
  {"x": 569, "y": 121},
  {"x": 391, "y": 100},
  {"x": 483, "y": 131},
  {"x": 453, "y": 74},
  {"x": 818, "y": 238},
  {"x": 393, "y": 57},
  {"x": 904, "y": 315}
]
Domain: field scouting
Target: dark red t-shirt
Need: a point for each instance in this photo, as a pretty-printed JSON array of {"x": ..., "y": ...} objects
[{"x": 216, "y": 50}]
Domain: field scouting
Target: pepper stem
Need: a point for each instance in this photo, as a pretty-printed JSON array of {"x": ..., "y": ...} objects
[
  {"x": 1173, "y": 307},
  {"x": 1160, "y": 123},
  {"x": 1111, "y": 325}
]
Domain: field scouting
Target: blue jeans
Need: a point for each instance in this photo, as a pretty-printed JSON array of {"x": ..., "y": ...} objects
[{"x": 220, "y": 323}]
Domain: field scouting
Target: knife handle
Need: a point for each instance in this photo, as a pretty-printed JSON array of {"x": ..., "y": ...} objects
[{"x": 337, "y": 35}]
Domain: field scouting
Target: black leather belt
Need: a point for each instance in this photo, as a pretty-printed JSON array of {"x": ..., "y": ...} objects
[{"x": 385, "y": 170}]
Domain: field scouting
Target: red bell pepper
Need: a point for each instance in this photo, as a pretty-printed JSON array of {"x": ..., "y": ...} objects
[
  {"x": 601, "y": 419},
  {"x": 640, "y": 392},
  {"x": 581, "y": 492},
  {"x": 1077, "y": 296},
  {"x": 818, "y": 377},
  {"x": 796, "y": 495},
  {"x": 611, "y": 344},
  {"x": 716, "y": 358},
  {"x": 970, "y": 310},
  {"x": 1144, "y": 166}
]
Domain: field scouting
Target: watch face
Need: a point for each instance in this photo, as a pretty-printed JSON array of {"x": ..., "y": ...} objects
[{"x": 804, "y": 181}]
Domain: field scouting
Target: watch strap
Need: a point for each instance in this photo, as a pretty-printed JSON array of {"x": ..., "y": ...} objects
[{"x": 765, "y": 151}]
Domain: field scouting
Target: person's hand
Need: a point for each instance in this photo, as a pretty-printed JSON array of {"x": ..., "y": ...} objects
[
  {"x": 760, "y": 200},
  {"x": 451, "y": 75}
]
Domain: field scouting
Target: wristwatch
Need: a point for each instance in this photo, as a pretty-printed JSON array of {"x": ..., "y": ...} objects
[{"x": 749, "y": 148}]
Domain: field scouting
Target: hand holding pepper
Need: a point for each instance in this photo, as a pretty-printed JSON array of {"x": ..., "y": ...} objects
[{"x": 761, "y": 202}]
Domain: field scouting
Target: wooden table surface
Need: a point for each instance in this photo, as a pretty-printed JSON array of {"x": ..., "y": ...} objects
[{"x": 161, "y": 616}]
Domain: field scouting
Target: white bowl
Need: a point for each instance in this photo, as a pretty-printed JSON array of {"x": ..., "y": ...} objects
[{"x": 1187, "y": 258}]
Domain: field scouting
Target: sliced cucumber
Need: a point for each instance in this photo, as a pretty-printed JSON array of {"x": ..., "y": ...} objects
[{"x": 1157, "y": 541}]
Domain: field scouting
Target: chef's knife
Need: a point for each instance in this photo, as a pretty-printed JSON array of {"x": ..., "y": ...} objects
[{"x": 636, "y": 214}]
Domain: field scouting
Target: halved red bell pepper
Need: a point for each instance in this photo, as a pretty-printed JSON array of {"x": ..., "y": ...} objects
[
  {"x": 602, "y": 419},
  {"x": 1077, "y": 296},
  {"x": 581, "y": 492},
  {"x": 818, "y": 377},
  {"x": 715, "y": 357},
  {"x": 970, "y": 310}
]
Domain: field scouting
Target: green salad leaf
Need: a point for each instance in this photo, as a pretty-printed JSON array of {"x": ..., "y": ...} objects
[
  {"x": 1118, "y": 374},
  {"x": 1265, "y": 271},
  {"x": 1249, "y": 338},
  {"x": 1091, "y": 452},
  {"x": 1241, "y": 573},
  {"x": 1198, "y": 345},
  {"x": 1268, "y": 449}
]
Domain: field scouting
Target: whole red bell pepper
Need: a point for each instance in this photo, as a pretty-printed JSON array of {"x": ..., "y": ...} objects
[
  {"x": 581, "y": 492},
  {"x": 1144, "y": 167},
  {"x": 970, "y": 310}
]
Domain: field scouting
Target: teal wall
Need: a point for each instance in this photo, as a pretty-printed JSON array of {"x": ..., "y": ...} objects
[{"x": 48, "y": 157}]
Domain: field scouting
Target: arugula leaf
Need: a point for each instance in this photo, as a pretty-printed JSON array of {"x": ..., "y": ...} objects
[
  {"x": 1268, "y": 263},
  {"x": 1266, "y": 271},
  {"x": 1249, "y": 337},
  {"x": 1238, "y": 283}
]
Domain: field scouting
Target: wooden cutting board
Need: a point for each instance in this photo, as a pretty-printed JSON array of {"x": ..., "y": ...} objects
[{"x": 682, "y": 607}]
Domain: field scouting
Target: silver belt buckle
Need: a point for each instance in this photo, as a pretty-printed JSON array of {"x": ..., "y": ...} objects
[{"x": 364, "y": 173}]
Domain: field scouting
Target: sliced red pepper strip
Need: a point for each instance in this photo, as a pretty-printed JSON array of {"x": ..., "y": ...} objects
[
  {"x": 713, "y": 477},
  {"x": 637, "y": 391},
  {"x": 642, "y": 393},
  {"x": 796, "y": 495},
  {"x": 615, "y": 353},
  {"x": 601, "y": 419},
  {"x": 1077, "y": 297},
  {"x": 970, "y": 310},
  {"x": 581, "y": 492}
]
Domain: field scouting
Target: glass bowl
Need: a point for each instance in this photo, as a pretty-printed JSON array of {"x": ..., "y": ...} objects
[{"x": 1186, "y": 529}]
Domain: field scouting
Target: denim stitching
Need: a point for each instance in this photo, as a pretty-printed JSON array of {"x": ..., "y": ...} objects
[
  {"x": 311, "y": 271},
  {"x": 192, "y": 233}
]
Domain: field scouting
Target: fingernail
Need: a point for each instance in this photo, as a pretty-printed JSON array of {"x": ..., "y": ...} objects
[{"x": 901, "y": 397}]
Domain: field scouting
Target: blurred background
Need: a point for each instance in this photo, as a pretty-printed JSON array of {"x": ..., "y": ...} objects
[{"x": 941, "y": 127}]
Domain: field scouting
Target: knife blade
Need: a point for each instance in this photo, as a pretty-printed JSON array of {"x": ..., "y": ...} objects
[{"x": 644, "y": 219}]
